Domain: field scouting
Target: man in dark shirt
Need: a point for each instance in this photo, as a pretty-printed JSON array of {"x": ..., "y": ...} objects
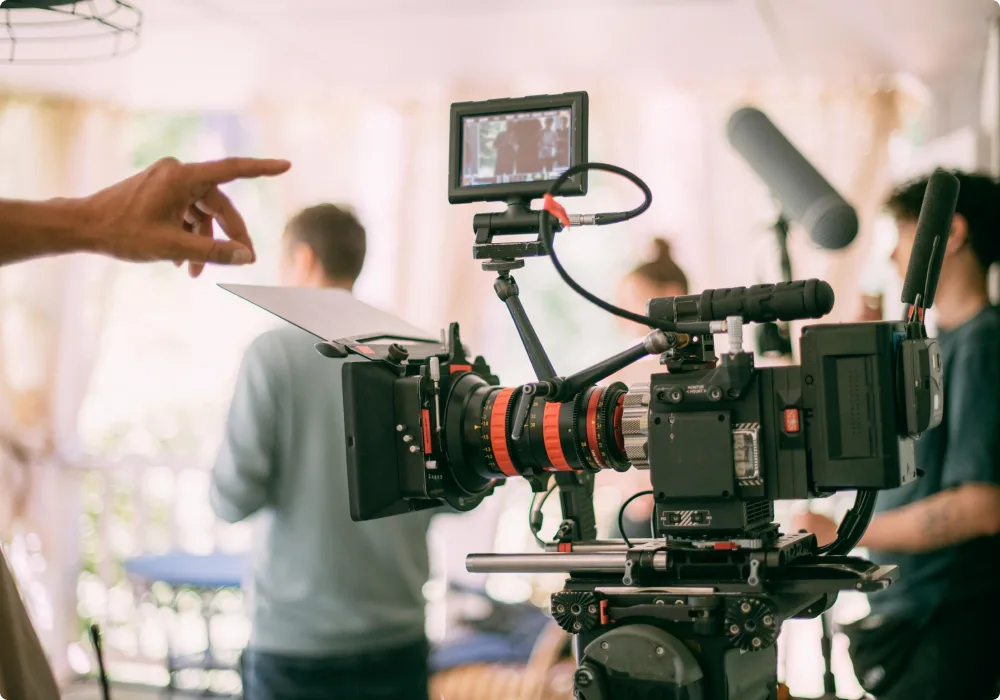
[{"x": 928, "y": 634}]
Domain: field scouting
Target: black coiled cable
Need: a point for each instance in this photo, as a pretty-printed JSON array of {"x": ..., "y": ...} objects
[{"x": 547, "y": 236}]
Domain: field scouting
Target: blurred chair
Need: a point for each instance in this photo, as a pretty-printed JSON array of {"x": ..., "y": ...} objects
[
  {"x": 548, "y": 675},
  {"x": 204, "y": 574},
  {"x": 514, "y": 652}
]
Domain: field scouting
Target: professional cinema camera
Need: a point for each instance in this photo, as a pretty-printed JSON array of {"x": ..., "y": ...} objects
[{"x": 694, "y": 612}]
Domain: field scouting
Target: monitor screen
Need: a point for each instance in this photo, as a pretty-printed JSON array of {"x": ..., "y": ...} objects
[{"x": 516, "y": 147}]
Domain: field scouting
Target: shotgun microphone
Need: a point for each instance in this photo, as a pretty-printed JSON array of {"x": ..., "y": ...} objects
[
  {"x": 933, "y": 229},
  {"x": 805, "y": 195}
]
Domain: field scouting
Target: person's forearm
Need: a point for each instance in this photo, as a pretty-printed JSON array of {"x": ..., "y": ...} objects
[
  {"x": 942, "y": 520},
  {"x": 36, "y": 229}
]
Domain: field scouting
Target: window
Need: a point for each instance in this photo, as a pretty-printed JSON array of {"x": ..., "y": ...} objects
[
  {"x": 169, "y": 351},
  {"x": 170, "y": 347}
]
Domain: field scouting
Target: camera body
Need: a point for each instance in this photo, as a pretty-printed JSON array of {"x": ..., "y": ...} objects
[
  {"x": 723, "y": 443},
  {"x": 722, "y": 439}
]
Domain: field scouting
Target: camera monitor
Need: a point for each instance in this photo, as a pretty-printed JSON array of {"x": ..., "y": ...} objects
[{"x": 513, "y": 148}]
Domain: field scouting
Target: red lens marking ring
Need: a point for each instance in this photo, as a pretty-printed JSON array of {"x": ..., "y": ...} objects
[
  {"x": 550, "y": 436},
  {"x": 498, "y": 432}
]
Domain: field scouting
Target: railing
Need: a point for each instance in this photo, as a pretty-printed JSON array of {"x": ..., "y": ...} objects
[{"x": 138, "y": 507}]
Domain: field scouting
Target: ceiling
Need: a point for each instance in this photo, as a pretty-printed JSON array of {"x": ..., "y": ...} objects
[{"x": 223, "y": 53}]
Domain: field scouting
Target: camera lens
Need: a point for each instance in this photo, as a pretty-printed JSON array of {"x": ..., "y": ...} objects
[{"x": 581, "y": 434}]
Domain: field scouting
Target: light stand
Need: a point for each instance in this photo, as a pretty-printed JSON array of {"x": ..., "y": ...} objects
[{"x": 773, "y": 339}]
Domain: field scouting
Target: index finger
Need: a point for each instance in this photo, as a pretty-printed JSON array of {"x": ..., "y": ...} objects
[
  {"x": 218, "y": 206},
  {"x": 217, "y": 172}
]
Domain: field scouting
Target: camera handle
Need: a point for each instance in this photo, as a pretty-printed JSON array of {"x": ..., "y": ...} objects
[
  {"x": 507, "y": 292},
  {"x": 558, "y": 389},
  {"x": 562, "y": 389},
  {"x": 576, "y": 498}
]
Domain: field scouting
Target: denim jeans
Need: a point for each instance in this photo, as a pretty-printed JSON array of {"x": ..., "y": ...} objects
[{"x": 390, "y": 674}]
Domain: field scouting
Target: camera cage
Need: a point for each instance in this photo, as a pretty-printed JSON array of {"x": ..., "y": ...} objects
[{"x": 576, "y": 102}]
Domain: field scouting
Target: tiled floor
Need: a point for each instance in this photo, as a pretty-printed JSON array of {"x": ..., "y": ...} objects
[{"x": 91, "y": 691}]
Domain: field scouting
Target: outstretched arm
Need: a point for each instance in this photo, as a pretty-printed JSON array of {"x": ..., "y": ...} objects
[
  {"x": 942, "y": 520},
  {"x": 968, "y": 505},
  {"x": 166, "y": 212}
]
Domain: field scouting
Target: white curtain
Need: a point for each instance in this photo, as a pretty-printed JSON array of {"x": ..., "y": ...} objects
[
  {"x": 388, "y": 159},
  {"x": 50, "y": 319}
]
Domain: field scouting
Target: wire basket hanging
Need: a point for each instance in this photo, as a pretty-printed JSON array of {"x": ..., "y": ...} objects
[{"x": 67, "y": 31}]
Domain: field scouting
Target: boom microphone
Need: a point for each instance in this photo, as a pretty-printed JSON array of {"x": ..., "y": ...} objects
[
  {"x": 804, "y": 194},
  {"x": 787, "y": 301},
  {"x": 933, "y": 223}
]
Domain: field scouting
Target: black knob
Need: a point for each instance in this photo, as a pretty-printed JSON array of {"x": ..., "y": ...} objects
[
  {"x": 584, "y": 677},
  {"x": 576, "y": 611},
  {"x": 751, "y": 624},
  {"x": 397, "y": 353}
]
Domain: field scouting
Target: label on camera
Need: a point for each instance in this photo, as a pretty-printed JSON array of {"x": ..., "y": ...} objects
[
  {"x": 746, "y": 453},
  {"x": 685, "y": 518}
]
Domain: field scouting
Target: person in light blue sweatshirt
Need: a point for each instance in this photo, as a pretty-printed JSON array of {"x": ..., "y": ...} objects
[{"x": 337, "y": 607}]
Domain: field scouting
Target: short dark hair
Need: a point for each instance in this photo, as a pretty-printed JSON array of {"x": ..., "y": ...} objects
[
  {"x": 662, "y": 269},
  {"x": 335, "y": 236},
  {"x": 978, "y": 203}
]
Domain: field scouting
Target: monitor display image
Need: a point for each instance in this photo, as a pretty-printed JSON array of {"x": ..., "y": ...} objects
[{"x": 516, "y": 147}]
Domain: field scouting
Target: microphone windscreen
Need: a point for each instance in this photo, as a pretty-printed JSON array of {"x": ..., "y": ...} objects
[
  {"x": 805, "y": 195},
  {"x": 934, "y": 221}
]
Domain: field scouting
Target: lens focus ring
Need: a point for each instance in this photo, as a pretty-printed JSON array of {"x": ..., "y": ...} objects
[{"x": 635, "y": 425}]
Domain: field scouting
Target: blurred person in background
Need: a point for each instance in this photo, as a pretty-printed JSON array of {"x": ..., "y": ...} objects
[
  {"x": 527, "y": 138},
  {"x": 660, "y": 276},
  {"x": 547, "y": 145},
  {"x": 926, "y": 636},
  {"x": 506, "y": 150},
  {"x": 166, "y": 212},
  {"x": 337, "y": 607},
  {"x": 562, "y": 158}
]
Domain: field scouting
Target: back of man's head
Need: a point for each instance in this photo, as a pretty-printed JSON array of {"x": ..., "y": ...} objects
[{"x": 324, "y": 246}]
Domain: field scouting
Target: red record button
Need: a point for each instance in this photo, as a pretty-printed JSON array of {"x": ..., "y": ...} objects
[{"x": 792, "y": 423}]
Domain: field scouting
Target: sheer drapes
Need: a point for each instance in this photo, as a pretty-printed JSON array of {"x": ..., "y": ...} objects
[
  {"x": 50, "y": 320},
  {"x": 389, "y": 160}
]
